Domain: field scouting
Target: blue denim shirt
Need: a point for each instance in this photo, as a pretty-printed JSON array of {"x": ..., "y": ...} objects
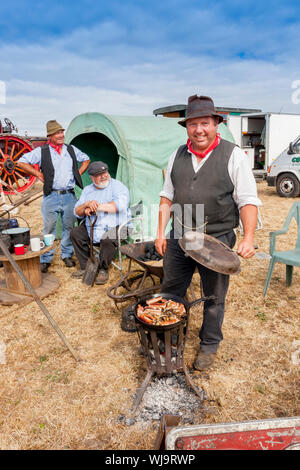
[
  {"x": 116, "y": 192},
  {"x": 62, "y": 163}
]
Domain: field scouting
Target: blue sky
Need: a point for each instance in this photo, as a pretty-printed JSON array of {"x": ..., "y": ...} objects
[{"x": 62, "y": 58}]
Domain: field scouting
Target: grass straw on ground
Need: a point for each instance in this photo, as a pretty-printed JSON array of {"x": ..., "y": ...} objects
[{"x": 49, "y": 401}]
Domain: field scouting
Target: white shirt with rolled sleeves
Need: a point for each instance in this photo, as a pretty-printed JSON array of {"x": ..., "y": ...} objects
[
  {"x": 116, "y": 192},
  {"x": 240, "y": 173},
  {"x": 62, "y": 163}
]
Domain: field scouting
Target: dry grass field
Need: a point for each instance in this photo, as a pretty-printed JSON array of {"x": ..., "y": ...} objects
[{"x": 50, "y": 401}]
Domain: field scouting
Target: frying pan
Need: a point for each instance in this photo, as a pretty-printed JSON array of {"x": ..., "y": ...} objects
[
  {"x": 18, "y": 235},
  {"x": 210, "y": 252},
  {"x": 175, "y": 298}
]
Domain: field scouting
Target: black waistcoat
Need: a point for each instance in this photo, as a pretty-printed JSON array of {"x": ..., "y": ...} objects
[
  {"x": 210, "y": 186},
  {"x": 48, "y": 169}
]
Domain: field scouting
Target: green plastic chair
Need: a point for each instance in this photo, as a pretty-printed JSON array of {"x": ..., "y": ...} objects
[{"x": 290, "y": 258}]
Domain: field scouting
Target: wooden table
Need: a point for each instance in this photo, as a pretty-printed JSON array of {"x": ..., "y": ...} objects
[{"x": 12, "y": 288}]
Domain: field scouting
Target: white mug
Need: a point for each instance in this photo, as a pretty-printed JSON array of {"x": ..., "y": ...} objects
[
  {"x": 49, "y": 239},
  {"x": 36, "y": 244}
]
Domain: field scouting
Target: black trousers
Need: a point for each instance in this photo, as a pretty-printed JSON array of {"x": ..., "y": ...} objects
[
  {"x": 81, "y": 242},
  {"x": 178, "y": 273}
]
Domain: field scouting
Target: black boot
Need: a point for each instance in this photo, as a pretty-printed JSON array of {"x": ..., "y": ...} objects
[
  {"x": 69, "y": 262},
  {"x": 44, "y": 267}
]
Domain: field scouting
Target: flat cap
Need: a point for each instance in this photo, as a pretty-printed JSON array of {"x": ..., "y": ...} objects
[{"x": 96, "y": 168}]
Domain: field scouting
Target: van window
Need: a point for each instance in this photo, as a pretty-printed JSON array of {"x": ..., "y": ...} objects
[{"x": 297, "y": 147}]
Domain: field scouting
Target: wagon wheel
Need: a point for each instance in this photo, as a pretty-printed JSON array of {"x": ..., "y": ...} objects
[{"x": 12, "y": 147}]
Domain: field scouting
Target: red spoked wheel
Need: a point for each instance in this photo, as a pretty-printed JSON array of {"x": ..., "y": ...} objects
[{"x": 12, "y": 147}]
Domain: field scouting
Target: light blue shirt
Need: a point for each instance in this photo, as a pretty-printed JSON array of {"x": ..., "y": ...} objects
[
  {"x": 116, "y": 192},
  {"x": 62, "y": 163}
]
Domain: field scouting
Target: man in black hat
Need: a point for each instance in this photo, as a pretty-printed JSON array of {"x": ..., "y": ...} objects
[
  {"x": 214, "y": 173},
  {"x": 108, "y": 200},
  {"x": 56, "y": 165}
]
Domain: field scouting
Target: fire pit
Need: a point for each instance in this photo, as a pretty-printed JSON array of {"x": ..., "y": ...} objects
[{"x": 163, "y": 346}]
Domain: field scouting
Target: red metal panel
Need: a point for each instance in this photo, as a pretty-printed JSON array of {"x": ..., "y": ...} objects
[
  {"x": 38, "y": 141},
  {"x": 276, "y": 434}
]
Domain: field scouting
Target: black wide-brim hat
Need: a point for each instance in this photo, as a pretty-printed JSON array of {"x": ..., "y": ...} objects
[{"x": 200, "y": 106}]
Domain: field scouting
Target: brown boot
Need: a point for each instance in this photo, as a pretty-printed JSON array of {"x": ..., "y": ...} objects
[
  {"x": 203, "y": 360},
  {"x": 102, "y": 277}
]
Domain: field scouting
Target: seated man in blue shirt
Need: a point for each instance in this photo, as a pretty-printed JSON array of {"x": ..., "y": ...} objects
[
  {"x": 58, "y": 170},
  {"x": 108, "y": 200}
]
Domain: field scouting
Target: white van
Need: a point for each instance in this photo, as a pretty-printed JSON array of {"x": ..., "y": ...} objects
[{"x": 284, "y": 172}]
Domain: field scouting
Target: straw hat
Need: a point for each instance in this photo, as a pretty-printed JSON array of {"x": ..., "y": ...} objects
[{"x": 53, "y": 127}]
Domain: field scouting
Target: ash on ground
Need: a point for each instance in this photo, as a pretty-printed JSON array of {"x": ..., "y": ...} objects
[{"x": 170, "y": 395}]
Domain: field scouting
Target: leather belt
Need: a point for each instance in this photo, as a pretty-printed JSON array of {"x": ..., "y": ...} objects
[{"x": 63, "y": 191}]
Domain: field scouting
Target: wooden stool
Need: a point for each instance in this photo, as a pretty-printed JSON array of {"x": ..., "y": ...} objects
[
  {"x": 31, "y": 267},
  {"x": 13, "y": 290}
]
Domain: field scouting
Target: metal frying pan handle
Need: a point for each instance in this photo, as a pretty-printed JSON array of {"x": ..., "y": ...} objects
[
  {"x": 202, "y": 299},
  {"x": 227, "y": 248}
]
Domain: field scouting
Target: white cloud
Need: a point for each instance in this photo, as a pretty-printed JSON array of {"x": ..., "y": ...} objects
[{"x": 106, "y": 74}]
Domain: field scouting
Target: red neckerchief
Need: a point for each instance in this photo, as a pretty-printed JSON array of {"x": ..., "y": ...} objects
[
  {"x": 212, "y": 147},
  {"x": 56, "y": 147}
]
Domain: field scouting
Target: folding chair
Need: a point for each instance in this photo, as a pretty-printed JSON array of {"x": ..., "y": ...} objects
[{"x": 136, "y": 233}]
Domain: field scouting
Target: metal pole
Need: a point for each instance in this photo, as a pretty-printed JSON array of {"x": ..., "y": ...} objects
[{"x": 38, "y": 300}]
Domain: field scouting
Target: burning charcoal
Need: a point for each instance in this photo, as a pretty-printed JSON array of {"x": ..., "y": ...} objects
[
  {"x": 150, "y": 254},
  {"x": 163, "y": 397},
  {"x": 158, "y": 257}
]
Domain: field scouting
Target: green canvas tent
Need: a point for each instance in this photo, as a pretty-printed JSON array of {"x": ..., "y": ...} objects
[{"x": 136, "y": 150}]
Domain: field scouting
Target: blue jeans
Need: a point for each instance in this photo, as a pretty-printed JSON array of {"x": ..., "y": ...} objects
[{"x": 51, "y": 207}]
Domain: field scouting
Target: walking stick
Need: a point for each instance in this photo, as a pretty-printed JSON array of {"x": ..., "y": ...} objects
[{"x": 37, "y": 299}]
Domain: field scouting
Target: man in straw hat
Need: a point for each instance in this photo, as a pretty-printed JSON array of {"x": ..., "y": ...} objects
[
  {"x": 58, "y": 170},
  {"x": 215, "y": 173}
]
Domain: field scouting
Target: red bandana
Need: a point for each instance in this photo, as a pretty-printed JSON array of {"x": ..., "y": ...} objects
[
  {"x": 56, "y": 147},
  {"x": 212, "y": 147}
]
